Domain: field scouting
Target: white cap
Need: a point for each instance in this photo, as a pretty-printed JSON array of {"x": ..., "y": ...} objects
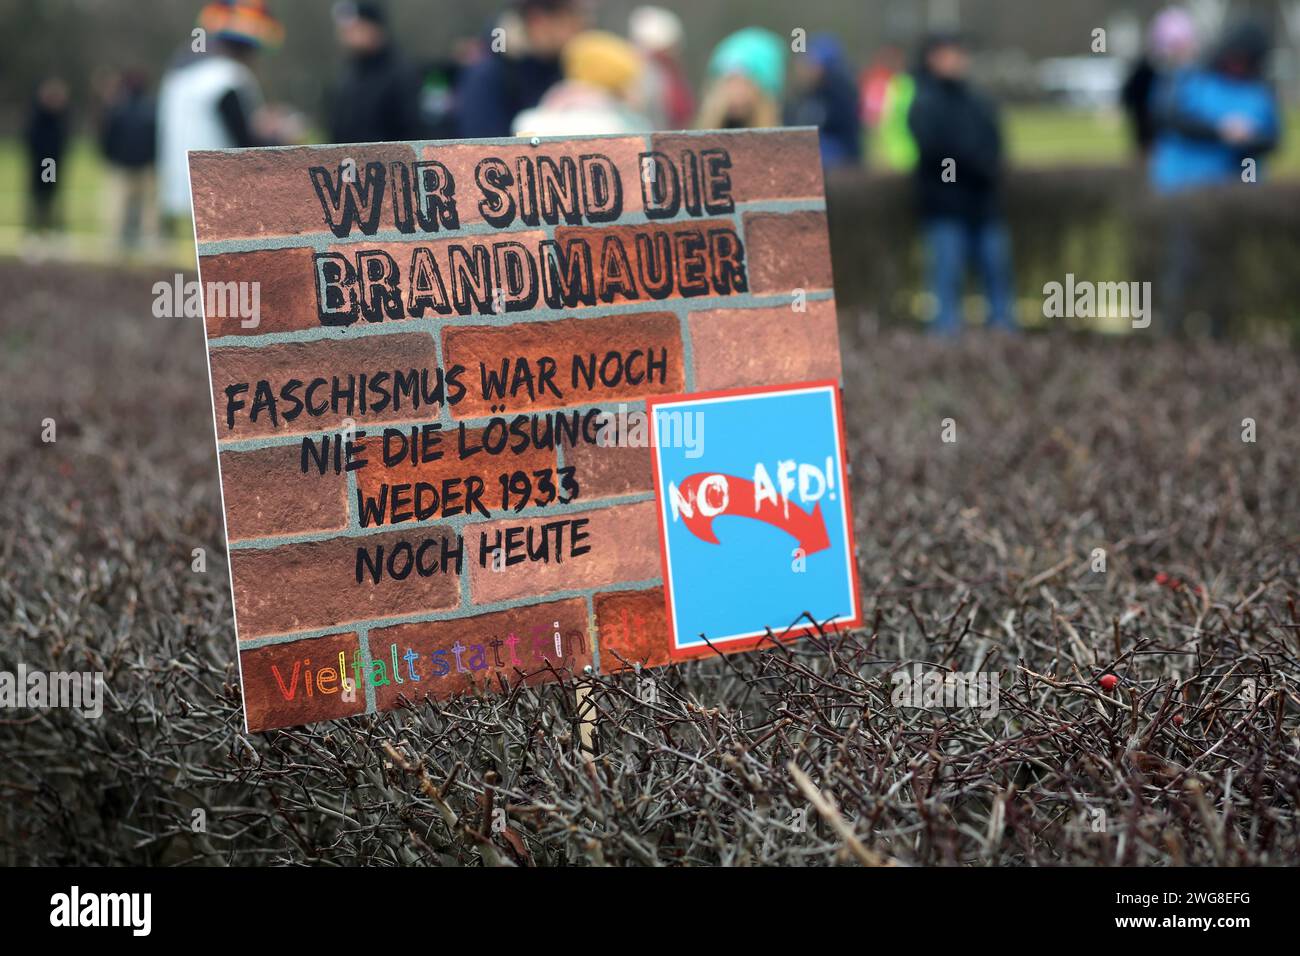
[{"x": 654, "y": 29}]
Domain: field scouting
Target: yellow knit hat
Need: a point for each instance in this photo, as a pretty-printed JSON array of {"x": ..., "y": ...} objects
[{"x": 603, "y": 60}]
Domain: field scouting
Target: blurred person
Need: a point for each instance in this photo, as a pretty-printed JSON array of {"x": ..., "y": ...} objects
[
  {"x": 897, "y": 145},
  {"x": 439, "y": 80},
  {"x": 377, "y": 97},
  {"x": 1210, "y": 120},
  {"x": 823, "y": 95},
  {"x": 601, "y": 75},
  {"x": 873, "y": 83},
  {"x": 46, "y": 139},
  {"x": 518, "y": 70},
  {"x": 746, "y": 78},
  {"x": 128, "y": 139},
  {"x": 1171, "y": 45},
  {"x": 957, "y": 178},
  {"x": 667, "y": 98},
  {"x": 210, "y": 100}
]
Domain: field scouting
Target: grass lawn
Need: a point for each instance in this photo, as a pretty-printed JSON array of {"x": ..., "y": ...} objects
[
  {"x": 82, "y": 171},
  {"x": 83, "y": 174},
  {"x": 1044, "y": 135}
]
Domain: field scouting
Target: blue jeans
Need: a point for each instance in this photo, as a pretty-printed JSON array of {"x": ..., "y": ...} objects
[{"x": 951, "y": 245}]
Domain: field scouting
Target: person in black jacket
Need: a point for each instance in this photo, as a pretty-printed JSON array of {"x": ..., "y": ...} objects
[
  {"x": 521, "y": 62},
  {"x": 958, "y": 183},
  {"x": 377, "y": 99},
  {"x": 128, "y": 138},
  {"x": 46, "y": 136}
]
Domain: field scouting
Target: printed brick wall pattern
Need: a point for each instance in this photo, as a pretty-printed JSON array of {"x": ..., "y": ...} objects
[{"x": 293, "y": 535}]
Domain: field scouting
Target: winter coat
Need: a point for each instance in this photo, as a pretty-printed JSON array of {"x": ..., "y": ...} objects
[{"x": 951, "y": 122}]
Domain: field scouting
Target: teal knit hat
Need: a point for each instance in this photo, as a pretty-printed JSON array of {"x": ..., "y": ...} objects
[{"x": 755, "y": 53}]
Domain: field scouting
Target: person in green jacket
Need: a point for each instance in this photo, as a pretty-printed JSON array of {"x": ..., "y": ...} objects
[{"x": 897, "y": 146}]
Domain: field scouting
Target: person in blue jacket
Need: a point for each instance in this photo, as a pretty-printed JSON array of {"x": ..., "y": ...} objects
[
  {"x": 1211, "y": 118},
  {"x": 1214, "y": 124},
  {"x": 521, "y": 64},
  {"x": 824, "y": 95}
]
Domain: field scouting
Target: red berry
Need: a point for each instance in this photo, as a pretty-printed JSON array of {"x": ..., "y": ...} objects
[
  {"x": 1178, "y": 720},
  {"x": 1108, "y": 681},
  {"x": 1161, "y": 577}
]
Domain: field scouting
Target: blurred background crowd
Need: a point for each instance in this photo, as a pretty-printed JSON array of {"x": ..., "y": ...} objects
[{"x": 1118, "y": 141}]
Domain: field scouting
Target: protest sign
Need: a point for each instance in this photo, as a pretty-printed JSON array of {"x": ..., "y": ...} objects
[
  {"x": 774, "y": 456},
  {"x": 436, "y": 429}
]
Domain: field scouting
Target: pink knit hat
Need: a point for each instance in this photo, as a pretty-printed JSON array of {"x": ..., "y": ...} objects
[{"x": 1173, "y": 31}]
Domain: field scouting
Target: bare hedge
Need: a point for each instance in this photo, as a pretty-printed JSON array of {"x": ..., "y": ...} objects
[
  {"x": 976, "y": 555},
  {"x": 1100, "y": 223}
]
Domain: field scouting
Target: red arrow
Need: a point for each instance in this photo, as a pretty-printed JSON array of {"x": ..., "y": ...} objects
[{"x": 729, "y": 495}]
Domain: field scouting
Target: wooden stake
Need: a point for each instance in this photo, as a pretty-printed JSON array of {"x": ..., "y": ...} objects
[{"x": 586, "y": 714}]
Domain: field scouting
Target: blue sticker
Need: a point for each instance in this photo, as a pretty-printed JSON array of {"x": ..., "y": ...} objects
[{"x": 754, "y": 514}]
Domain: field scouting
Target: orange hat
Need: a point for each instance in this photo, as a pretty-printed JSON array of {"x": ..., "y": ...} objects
[{"x": 242, "y": 21}]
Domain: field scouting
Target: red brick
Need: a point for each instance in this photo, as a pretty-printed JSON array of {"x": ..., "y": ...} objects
[
  {"x": 770, "y": 346},
  {"x": 306, "y": 361},
  {"x": 716, "y": 262},
  {"x": 533, "y": 626},
  {"x": 485, "y": 467},
  {"x": 301, "y": 587},
  {"x": 461, "y": 161},
  {"x": 270, "y": 193},
  {"x": 623, "y": 542},
  {"x": 562, "y": 340},
  {"x": 267, "y": 494},
  {"x": 439, "y": 249},
  {"x": 787, "y": 251},
  {"x": 266, "y": 704},
  {"x": 613, "y": 470},
  {"x": 764, "y": 165},
  {"x": 286, "y": 290},
  {"x": 633, "y": 626}
]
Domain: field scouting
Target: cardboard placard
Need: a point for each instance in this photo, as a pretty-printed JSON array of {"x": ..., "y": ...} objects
[{"x": 470, "y": 396}]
